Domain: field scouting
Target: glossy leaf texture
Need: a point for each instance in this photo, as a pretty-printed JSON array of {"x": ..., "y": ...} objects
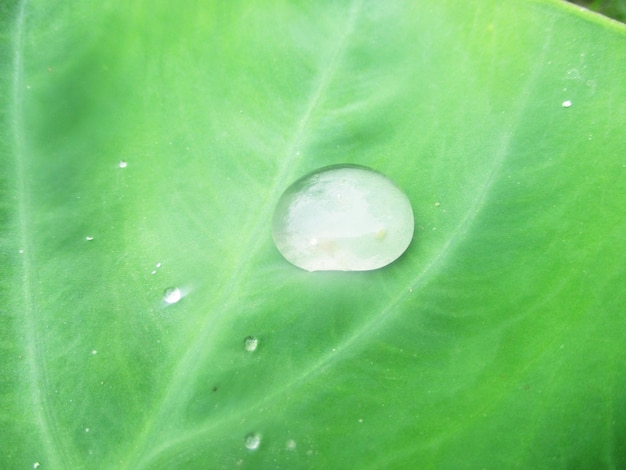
[{"x": 496, "y": 341}]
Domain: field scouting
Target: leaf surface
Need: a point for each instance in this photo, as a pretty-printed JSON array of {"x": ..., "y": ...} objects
[{"x": 146, "y": 146}]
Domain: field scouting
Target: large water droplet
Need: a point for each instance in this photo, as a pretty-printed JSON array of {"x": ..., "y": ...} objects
[
  {"x": 172, "y": 295},
  {"x": 252, "y": 441},
  {"x": 343, "y": 218}
]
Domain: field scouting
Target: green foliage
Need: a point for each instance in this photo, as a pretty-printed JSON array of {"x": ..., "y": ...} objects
[
  {"x": 495, "y": 341},
  {"x": 612, "y": 8}
]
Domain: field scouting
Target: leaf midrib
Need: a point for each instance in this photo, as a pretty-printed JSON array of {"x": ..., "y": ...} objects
[{"x": 172, "y": 395}]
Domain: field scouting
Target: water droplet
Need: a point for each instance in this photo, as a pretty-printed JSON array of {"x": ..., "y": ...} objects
[
  {"x": 158, "y": 265},
  {"x": 566, "y": 104},
  {"x": 94, "y": 352},
  {"x": 88, "y": 238},
  {"x": 250, "y": 343},
  {"x": 291, "y": 444},
  {"x": 343, "y": 218},
  {"x": 172, "y": 295},
  {"x": 122, "y": 164},
  {"x": 252, "y": 441},
  {"x": 36, "y": 465}
]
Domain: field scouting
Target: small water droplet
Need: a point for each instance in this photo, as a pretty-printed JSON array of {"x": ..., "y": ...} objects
[
  {"x": 250, "y": 343},
  {"x": 291, "y": 444},
  {"x": 88, "y": 238},
  {"x": 252, "y": 441},
  {"x": 122, "y": 164},
  {"x": 566, "y": 104},
  {"x": 94, "y": 352},
  {"x": 343, "y": 218},
  {"x": 36, "y": 465},
  {"x": 172, "y": 295},
  {"x": 86, "y": 429},
  {"x": 158, "y": 265}
]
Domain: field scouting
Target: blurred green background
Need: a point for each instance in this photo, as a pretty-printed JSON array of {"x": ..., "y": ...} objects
[{"x": 612, "y": 8}]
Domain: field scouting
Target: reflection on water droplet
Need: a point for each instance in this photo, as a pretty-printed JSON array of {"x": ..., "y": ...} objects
[
  {"x": 88, "y": 238},
  {"x": 252, "y": 441},
  {"x": 123, "y": 164},
  {"x": 566, "y": 104},
  {"x": 172, "y": 295},
  {"x": 250, "y": 343},
  {"x": 343, "y": 218}
]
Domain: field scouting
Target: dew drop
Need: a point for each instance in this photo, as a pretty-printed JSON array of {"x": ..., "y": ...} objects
[
  {"x": 252, "y": 441},
  {"x": 291, "y": 444},
  {"x": 250, "y": 343},
  {"x": 122, "y": 164},
  {"x": 172, "y": 295},
  {"x": 566, "y": 103},
  {"x": 343, "y": 218}
]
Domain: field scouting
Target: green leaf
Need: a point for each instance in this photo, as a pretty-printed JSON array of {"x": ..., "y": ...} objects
[{"x": 496, "y": 341}]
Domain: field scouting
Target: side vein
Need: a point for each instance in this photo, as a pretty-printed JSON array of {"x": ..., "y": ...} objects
[{"x": 35, "y": 363}]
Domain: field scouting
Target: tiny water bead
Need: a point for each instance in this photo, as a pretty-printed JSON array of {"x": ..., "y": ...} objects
[
  {"x": 343, "y": 218},
  {"x": 172, "y": 295},
  {"x": 250, "y": 343},
  {"x": 252, "y": 441}
]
